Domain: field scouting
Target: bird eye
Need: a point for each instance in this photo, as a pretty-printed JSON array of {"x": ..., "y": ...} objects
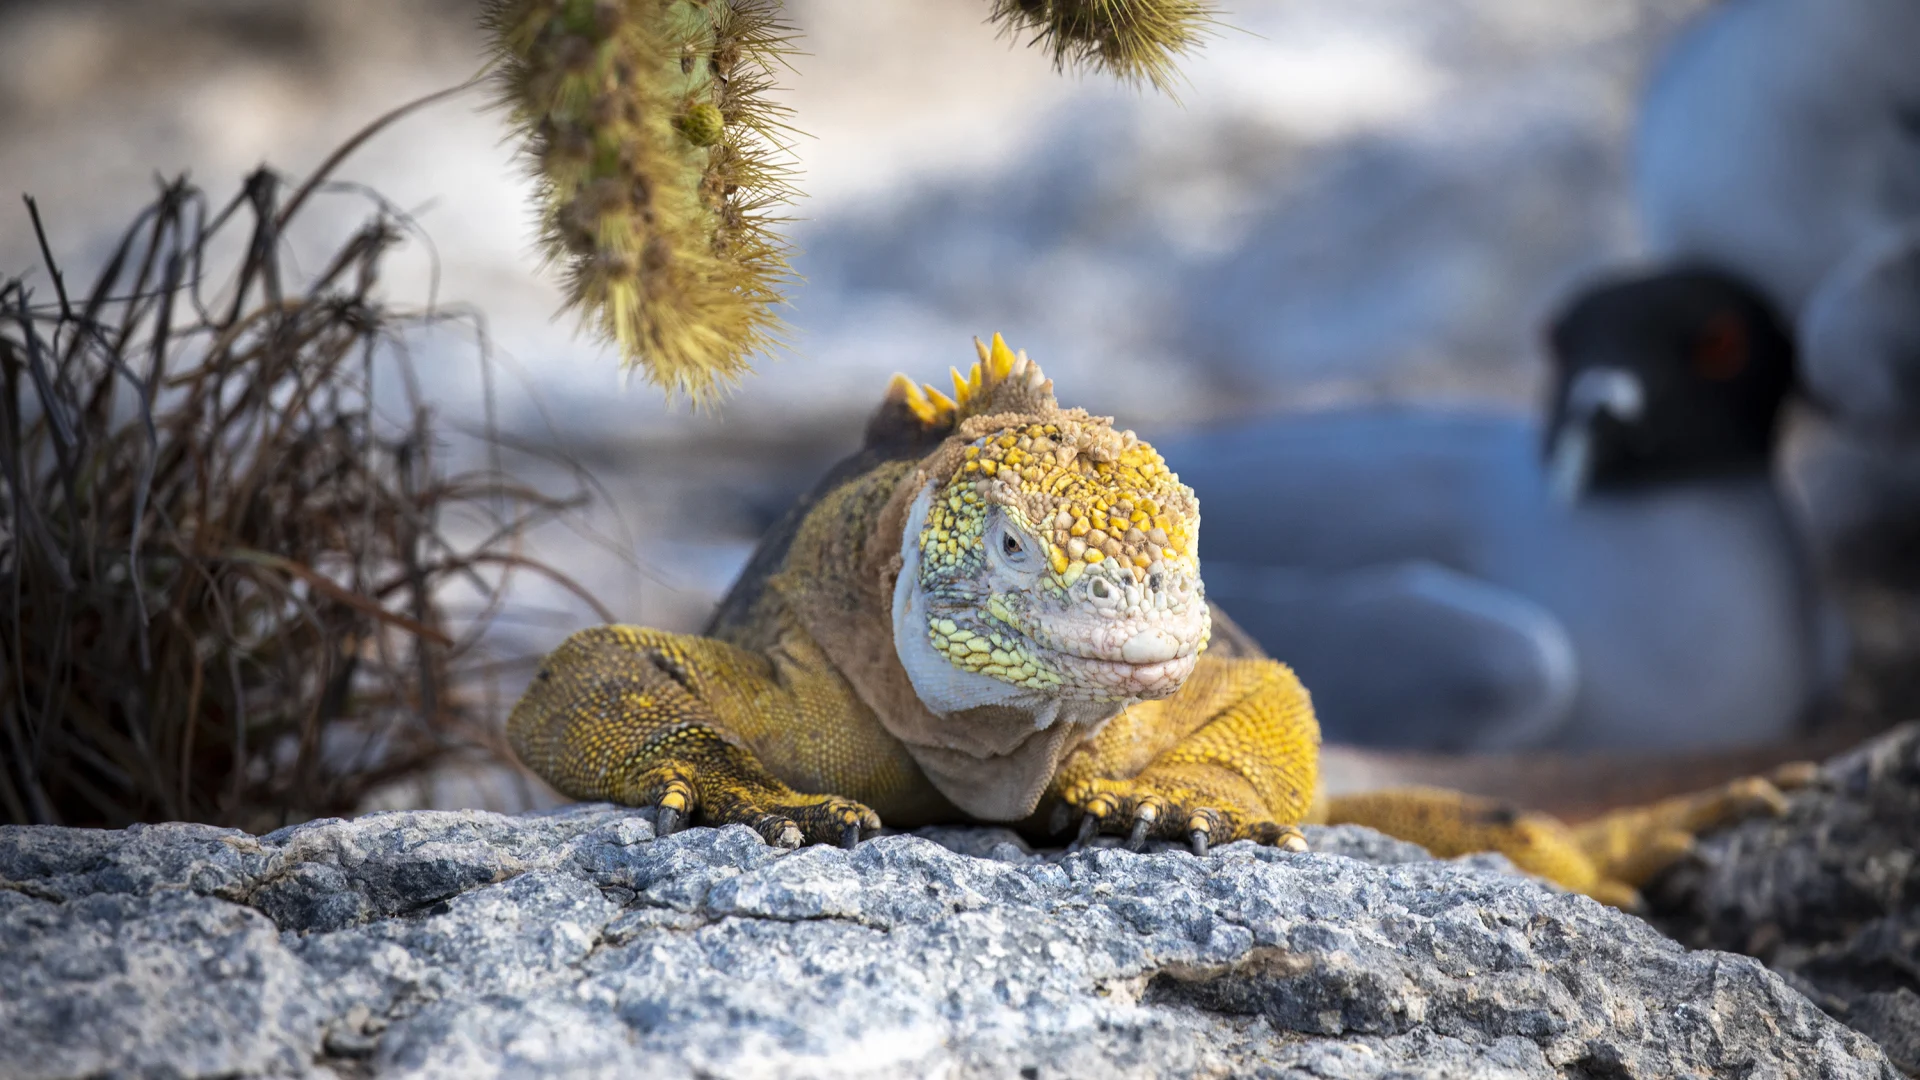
[{"x": 1720, "y": 353}]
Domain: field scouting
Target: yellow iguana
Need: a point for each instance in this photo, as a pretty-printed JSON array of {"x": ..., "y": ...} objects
[{"x": 993, "y": 612}]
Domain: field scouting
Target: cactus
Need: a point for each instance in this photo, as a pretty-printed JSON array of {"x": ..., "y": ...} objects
[
  {"x": 1133, "y": 40},
  {"x": 661, "y": 158}
]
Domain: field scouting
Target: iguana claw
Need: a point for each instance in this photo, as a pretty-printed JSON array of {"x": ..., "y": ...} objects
[
  {"x": 1061, "y": 818},
  {"x": 666, "y": 821},
  {"x": 1089, "y": 825},
  {"x": 779, "y": 831},
  {"x": 1143, "y": 808},
  {"x": 1273, "y": 834}
]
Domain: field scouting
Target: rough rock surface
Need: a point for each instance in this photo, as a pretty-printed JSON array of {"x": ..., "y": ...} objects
[
  {"x": 468, "y": 944},
  {"x": 1828, "y": 895}
]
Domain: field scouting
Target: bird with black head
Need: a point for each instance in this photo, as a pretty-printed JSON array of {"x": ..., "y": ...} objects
[{"x": 1621, "y": 573}]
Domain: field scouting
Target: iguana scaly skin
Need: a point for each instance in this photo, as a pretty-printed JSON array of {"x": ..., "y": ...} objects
[{"x": 994, "y": 612}]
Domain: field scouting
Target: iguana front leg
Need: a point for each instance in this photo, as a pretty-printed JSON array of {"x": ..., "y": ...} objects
[
  {"x": 649, "y": 718},
  {"x": 1231, "y": 756}
]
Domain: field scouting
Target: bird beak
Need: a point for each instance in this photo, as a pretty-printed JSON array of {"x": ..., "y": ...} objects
[
  {"x": 1570, "y": 463},
  {"x": 1594, "y": 392}
]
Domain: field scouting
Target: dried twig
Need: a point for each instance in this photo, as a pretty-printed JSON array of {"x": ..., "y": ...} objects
[{"x": 221, "y": 566}]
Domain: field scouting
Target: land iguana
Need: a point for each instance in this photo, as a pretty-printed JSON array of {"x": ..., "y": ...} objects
[{"x": 993, "y": 612}]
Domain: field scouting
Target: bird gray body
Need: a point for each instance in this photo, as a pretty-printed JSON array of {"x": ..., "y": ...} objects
[
  {"x": 1780, "y": 135},
  {"x": 1780, "y": 140},
  {"x": 1413, "y": 567}
]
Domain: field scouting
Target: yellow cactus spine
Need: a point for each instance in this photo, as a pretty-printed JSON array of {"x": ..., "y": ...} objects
[
  {"x": 660, "y": 164},
  {"x": 1134, "y": 40}
]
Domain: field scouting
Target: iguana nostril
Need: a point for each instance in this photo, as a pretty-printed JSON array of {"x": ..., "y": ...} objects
[{"x": 1100, "y": 589}]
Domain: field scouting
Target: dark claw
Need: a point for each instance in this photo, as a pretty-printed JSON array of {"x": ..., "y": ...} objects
[
  {"x": 778, "y": 831},
  {"x": 1088, "y": 826},
  {"x": 850, "y": 836},
  {"x": 1062, "y": 817},
  {"x": 665, "y": 820},
  {"x": 1137, "y": 839},
  {"x": 1198, "y": 839}
]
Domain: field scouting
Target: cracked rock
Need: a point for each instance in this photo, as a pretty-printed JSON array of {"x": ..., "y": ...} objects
[
  {"x": 1828, "y": 894},
  {"x": 423, "y": 944}
]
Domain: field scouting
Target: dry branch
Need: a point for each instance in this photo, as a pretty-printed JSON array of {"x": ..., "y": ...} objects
[{"x": 223, "y": 563}]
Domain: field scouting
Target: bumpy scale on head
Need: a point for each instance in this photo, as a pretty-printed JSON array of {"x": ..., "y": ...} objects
[{"x": 1057, "y": 554}]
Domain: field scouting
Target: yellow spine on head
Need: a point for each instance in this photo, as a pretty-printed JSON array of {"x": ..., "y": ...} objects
[{"x": 975, "y": 392}]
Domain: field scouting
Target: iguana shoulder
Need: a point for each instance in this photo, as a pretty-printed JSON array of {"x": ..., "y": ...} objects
[{"x": 897, "y": 438}]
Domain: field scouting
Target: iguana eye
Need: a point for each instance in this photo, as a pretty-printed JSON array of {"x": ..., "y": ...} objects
[{"x": 1014, "y": 549}]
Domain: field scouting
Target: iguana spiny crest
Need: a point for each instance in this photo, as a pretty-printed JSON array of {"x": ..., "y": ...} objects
[{"x": 1048, "y": 552}]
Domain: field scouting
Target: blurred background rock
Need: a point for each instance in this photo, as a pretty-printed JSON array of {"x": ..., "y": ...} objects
[{"x": 1355, "y": 200}]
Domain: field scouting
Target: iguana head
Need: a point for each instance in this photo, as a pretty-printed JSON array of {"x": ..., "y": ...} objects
[{"x": 1048, "y": 557}]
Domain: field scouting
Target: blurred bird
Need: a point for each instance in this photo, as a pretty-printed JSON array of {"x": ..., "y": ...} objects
[
  {"x": 1861, "y": 331},
  {"x": 1781, "y": 139},
  {"x": 1625, "y": 575},
  {"x": 1779, "y": 136}
]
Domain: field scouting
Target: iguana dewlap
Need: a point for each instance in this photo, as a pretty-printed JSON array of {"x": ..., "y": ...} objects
[{"x": 994, "y": 612}]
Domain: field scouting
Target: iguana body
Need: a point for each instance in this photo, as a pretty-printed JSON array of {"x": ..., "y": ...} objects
[{"x": 994, "y": 612}]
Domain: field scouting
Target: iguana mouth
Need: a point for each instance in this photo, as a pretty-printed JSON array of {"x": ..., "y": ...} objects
[
  {"x": 1128, "y": 680},
  {"x": 1148, "y": 648},
  {"x": 1151, "y": 662}
]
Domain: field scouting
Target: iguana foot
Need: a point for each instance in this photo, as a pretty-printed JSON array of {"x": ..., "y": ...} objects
[
  {"x": 1608, "y": 858},
  {"x": 1630, "y": 847},
  {"x": 783, "y": 817},
  {"x": 1146, "y": 808},
  {"x": 622, "y": 713}
]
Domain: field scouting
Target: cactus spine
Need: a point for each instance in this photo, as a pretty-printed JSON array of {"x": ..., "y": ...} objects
[
  {"x": 1133, "y": 40},
  {"x": 660, "y": 164}
]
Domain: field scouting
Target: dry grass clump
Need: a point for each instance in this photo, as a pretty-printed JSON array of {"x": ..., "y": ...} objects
[
  {"x": 224, "y": 566},
  {"x": 661, "y": 161}
]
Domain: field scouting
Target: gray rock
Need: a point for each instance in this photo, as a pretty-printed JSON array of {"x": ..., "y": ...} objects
[
  {"x": 170, "y": 983},
  {"x": 1828, "y": 894},
  {"x": 575, "y": 944},
  {"x": 1352, "y": 841}
]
